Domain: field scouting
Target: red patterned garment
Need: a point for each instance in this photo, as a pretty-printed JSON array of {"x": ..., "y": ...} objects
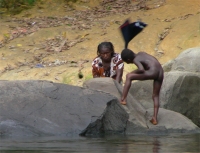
[{"x": 98, "y": 69}]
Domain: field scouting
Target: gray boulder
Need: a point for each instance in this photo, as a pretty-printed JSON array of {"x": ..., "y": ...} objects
[
  {"x": 181, "y": 86},
  {"x": 188, "y": 61},
  {"x": 43, "y": 108},
  {"x": 142, "y": 91},
  {"x": 181, "y": 93},
  {"x": 136, "y": 110},
  {"x": 35, "y": 108},
  {"x": 168, "y": 66},
  {"x": 173, "y": 121},
  {"x": 138, "y": 116}
]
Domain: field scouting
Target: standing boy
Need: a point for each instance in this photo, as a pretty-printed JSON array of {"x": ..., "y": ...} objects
[{"x": 148, "y": 69}]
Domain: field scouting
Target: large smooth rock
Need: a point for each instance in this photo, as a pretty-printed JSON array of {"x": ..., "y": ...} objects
[
  {"x": 142, "y": 91},
  {"x": 181, "y": 86},
  {"x": 188, "y": 61},
  {"x": 181, "y": 93},
  {"x": 176, "y": 84},
  {"x": 172, "y": 121},
  {"x": 136, "y": 111},
  {"x": 36, "y": 108},
  {"x": 32, "y": 108},
  {"x": 138, "y": 116}
]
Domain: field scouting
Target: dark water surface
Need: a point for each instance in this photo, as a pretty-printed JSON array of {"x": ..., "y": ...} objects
[{"x": 174, "y": 143}]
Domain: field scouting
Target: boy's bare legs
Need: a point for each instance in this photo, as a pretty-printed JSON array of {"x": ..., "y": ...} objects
[
  {"x": 129, "y": 78},
  {"x": 123, "y": 102},
  {"x": 156, "y": 90}
]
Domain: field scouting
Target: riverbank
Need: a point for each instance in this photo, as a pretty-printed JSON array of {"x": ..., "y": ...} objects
[{"x": 52, "y": 42}]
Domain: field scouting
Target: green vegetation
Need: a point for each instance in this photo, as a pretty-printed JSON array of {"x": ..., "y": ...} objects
[
  {"x": 66, "y": 80},
  {"x": 88, "y": 77},
  {"x": 74, "y": 78},
  {"x": 16, "y": 6},
  {"x": 13, "y": 4},
  {"x": 71, "y": 1}
]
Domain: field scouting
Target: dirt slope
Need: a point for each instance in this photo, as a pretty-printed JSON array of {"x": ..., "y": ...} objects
[{"x": 53, "y": 42}]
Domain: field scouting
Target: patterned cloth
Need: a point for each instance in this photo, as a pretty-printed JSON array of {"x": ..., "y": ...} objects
[{"x": 98, "y": 70}]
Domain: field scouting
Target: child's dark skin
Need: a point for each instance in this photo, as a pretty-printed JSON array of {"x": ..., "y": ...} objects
[
  {"x": 107, "y": 63},
  {"x": 148, "y": 69},
  {"x": 105, "y": 54}
]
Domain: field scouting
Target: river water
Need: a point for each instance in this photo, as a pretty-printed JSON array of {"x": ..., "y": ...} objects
[{"x": 174, "y": 143}]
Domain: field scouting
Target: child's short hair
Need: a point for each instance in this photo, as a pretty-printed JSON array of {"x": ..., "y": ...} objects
[
  {"x": 105, "y": 44},
  {"x": 127, "y": 54}
]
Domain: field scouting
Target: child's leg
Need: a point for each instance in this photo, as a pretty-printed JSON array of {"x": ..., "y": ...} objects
[
  {"x": 156, "y": 90},
  {"x": 129, "y": 78}
]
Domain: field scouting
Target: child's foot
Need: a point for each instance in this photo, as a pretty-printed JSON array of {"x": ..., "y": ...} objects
[
  {"x": 153, "y": 121},
  {"x": 123, "y": 102}
]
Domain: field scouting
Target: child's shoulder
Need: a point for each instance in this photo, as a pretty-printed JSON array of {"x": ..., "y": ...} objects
[
  {"x": 116, "y": 55},
  {"x": 141, "y": 52},
  {"x": 96, "y": 58}
]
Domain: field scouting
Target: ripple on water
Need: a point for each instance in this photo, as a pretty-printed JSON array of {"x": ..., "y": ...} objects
[{"x": 123, "y": 144}]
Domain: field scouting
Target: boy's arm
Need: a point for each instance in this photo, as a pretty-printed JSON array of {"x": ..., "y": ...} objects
[
  {"x": 140, "y": 67},
  {"x": 129, "y": 80},
  {"x": 126, "y": 89}
]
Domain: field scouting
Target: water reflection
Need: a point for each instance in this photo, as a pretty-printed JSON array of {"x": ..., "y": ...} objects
[
  {"x": 107, "y": 144},
  {"x": 156, "y": 145}
]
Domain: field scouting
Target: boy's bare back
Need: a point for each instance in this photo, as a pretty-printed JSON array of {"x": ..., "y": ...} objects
[{"x": 148, "y": 61}]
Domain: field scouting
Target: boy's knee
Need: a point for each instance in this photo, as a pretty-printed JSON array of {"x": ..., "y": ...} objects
[
  {"x": 128, "y": 76},
  {"x": 154, "y": 96}
]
